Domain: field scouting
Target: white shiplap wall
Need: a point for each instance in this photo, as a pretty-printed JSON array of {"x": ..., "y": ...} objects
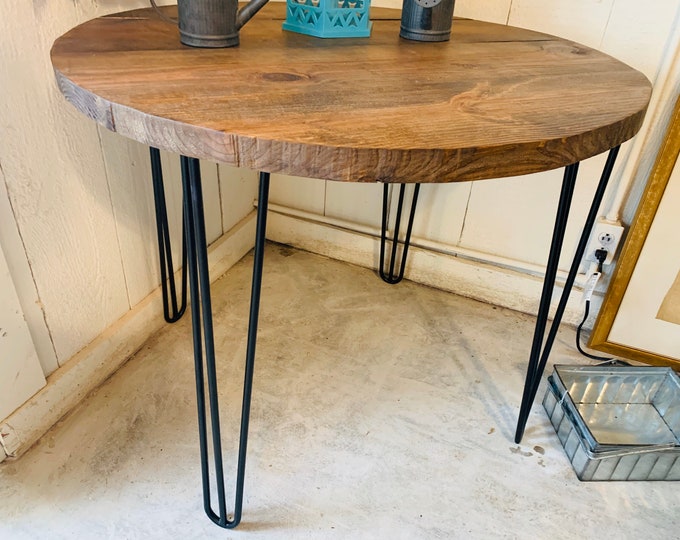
[
  {"x": 76, "y": 221},
  {"x": 76, "y": 207}
]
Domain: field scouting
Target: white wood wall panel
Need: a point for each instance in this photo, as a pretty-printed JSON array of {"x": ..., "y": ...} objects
[
  {"x": 129, "y": 178},
  {"x": 638, "y": 33},
  {"x": 646, "y": 37},
  {"x": 103, "y": 356},
  {"x": 441, "y": 213},
  {"x": 583, "y": 21},
  {"x": 360, "y": 203},
  {"x": 514, "y": 217},
  {"x": 56, "y": 183},
  {"x": 12, "y": 245},
  {"x": 489, "y": 10},
  {"x": 647, "y": 145},
  {"x": 82, "y": 210},
  {"x": 21, "y": 375},
  {"x": 172, "y": 185},
  {"x": 297, "y": 192},
  {"x": 238, "y": 191},
  {"x": 172, "y": 179},
  {"x": 212, "y": 202}
]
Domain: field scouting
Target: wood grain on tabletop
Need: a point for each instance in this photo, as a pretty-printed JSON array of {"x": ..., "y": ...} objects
[{"x": 494, "y": 101}]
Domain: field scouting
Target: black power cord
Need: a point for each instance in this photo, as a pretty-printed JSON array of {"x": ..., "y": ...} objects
[
  {"x": 601, "y": 256},
  {"x": 578, "y": 339}
]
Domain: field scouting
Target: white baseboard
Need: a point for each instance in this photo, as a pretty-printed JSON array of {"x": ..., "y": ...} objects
[
  {"x": 69, "y": 384},
  {"x": 475, "y": 275}
]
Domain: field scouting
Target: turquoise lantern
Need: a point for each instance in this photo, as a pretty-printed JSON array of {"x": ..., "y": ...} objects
[{"x": 328, "y": 18}]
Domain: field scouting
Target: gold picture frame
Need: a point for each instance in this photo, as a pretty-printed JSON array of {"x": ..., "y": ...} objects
[{"x": 632, "y": 259}]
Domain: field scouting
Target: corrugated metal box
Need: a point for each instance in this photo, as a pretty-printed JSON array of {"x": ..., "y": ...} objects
[{"x": 617, "y": 423}]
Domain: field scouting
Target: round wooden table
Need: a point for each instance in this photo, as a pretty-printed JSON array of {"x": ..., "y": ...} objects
[{"x": 492, "y": 102}]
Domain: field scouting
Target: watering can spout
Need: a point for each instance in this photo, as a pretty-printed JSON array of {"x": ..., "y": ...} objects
[{"x": 246, "y": 12}]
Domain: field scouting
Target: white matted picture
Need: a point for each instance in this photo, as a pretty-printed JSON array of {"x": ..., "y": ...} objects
[{"x": 640, "y": 316}]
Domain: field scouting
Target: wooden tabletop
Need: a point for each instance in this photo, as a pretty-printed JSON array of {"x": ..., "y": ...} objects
[{"x": 494, "y": 101}]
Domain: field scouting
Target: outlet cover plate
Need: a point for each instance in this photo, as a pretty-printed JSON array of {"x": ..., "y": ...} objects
[{"x": 606, "y": 235}]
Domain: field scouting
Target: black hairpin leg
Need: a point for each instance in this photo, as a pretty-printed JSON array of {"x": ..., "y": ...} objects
[
  {"x": 388, "y": 276},
  {"x": 540, "y": 351},
  {"x": 201, "y": 315},
  {"x": 168, "y": 286}
]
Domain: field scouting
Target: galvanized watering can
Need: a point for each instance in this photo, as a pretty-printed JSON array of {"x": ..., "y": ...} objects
[
  {"x": 426, "y": 20},
  {"x": 212, "y": 23}
]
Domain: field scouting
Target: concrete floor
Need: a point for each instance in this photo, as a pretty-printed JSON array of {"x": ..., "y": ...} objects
[{"x": 379, "y": 412}]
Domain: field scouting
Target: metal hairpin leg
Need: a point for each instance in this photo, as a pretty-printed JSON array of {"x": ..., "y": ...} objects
[
  {"x": 388, "y": 276},
  {"x": 201, "y": 318},
  {"x": 164, "y": 247},
  {"x": 540, "y": 351}
]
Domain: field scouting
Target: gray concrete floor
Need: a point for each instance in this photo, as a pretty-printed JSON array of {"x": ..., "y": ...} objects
[{"x": 379, "y": 412}]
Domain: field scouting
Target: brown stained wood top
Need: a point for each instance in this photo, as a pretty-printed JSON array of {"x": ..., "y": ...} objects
[{"x": 494, "y": 101}]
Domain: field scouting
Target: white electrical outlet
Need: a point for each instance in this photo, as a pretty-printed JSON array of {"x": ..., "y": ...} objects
[{"x": 605, "y": 235}]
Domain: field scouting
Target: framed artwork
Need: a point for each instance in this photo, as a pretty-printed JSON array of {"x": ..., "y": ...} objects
[{"x": 640, "y": 316}]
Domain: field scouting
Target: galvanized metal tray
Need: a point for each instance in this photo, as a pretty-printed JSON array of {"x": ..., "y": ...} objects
[{"x": 617, "y": 423}]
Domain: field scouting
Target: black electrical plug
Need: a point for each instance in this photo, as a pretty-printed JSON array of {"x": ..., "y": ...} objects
[{"x": 601, "y": 256}]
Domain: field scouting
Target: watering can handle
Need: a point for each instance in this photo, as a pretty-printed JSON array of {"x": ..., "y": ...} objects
[
  {"x": 246, "y": 12},
  {"x": 162, "y": 15}
]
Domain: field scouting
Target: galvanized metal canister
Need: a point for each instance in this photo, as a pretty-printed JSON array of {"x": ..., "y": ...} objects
[
  {"x": 208, "y": 23},
  {"x": 426, "y": 20}
]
